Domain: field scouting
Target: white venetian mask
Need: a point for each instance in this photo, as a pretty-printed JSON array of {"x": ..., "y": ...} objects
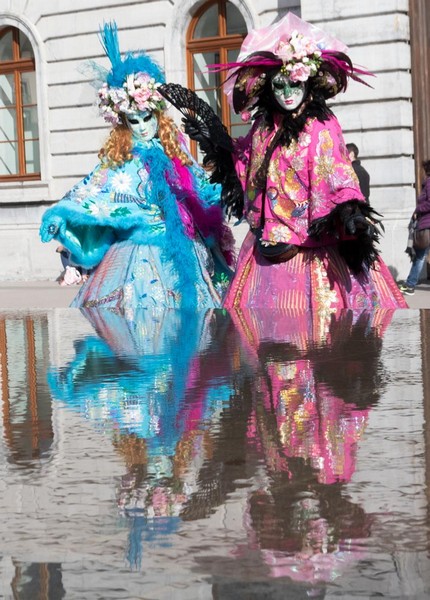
[
  {"x": 288, "y": 94},
  {"x": 144, "y": 125}
]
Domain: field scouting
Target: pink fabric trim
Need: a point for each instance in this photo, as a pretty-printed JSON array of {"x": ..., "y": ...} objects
[{"x": 209, "y": 219}]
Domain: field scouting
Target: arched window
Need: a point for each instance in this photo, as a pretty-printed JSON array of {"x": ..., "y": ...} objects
[
  {"x": 19, "y": 132},
  {"x": 215, "y": 36}
]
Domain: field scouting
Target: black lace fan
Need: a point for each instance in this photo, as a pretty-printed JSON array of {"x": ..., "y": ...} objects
[{"x": 198, "y": 112}]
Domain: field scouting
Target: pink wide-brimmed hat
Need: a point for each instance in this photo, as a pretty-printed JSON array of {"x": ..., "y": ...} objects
[{"x": 299, "y": 49}]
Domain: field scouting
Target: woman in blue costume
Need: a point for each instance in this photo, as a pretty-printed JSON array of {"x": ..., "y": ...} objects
[{"x": 146, "y": 216}]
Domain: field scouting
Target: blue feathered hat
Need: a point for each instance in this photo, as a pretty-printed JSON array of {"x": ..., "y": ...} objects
[{"x": 131, "y": 84}]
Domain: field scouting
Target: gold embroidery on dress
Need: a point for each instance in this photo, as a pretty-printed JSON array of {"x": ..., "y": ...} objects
[
  {"x": 280, "y": 233},
  {"x": 116, "y": 294},
  {"x": 326, "y": 297},
  {"x": 242, "y": 282},
  {"x": 324, "y": 161},
  {"x": 257, "y": 153},
  {"x": 288, "y": 188},
  {"x": 336, "y": 174}
]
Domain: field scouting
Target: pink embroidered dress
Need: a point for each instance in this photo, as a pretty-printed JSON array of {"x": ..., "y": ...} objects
[{"x": 305, "y": 180}]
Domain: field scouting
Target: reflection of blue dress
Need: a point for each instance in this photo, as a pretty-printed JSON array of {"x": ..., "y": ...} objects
[
  {"x": 130, "y": 383},
  {"x": 138, "y": 380},
  {"x": 154, "y": 228}
]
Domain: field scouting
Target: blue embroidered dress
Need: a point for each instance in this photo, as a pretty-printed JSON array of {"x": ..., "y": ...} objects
[{"x": 152, "y": 228}]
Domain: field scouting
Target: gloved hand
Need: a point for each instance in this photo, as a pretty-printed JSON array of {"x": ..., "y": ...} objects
[
  {"x": 198, "y": 132},
  {"x": 358, "y": 224},
  {"x": 52, "y": 227}
]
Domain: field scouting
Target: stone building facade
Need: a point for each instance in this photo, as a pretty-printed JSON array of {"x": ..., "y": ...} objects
[{"x": 380, "y": 119}]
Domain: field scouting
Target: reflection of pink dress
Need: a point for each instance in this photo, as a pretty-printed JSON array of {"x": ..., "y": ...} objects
[
  {"x": 306, "y": 180},
  {"x": 307, "y": 436},
  {"x": 312, "y": 422}
]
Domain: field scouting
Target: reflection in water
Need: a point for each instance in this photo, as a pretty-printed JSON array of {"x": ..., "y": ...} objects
[
  {"x": 251, "y": 413},
  {"x": 27, "y": 410},
  {"x": 152, "y": 385},
  {"x": 307, "y": 419},
  {"x": 45, "y": 578}
]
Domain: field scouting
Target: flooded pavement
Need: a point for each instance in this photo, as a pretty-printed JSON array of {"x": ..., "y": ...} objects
[{"x": 220, "y": 455}]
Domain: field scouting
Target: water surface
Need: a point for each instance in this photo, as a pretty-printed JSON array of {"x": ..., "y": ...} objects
[{"x": 250, "y": 454}]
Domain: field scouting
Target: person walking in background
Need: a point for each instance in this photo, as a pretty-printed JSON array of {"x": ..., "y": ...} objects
[
  {"x": 360, "y": 171},
  {"x": 422, "y": 216}
]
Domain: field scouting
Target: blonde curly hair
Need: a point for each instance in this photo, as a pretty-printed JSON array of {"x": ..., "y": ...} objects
[{"x": 118, "y": 147}]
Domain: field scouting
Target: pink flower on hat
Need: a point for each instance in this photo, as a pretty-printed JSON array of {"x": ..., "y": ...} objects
[
  {"x": 300, "y": 57},
  {"x": 138, "y": 93},
  {"x": 141, "y": 97},
  {"x": 303, "y": 46},
  {"x": 284, "y": 51},
  {"x": 300, "y": 72}
]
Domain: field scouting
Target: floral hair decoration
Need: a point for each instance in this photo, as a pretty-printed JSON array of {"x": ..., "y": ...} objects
[
  {"x": 300, "y": 56},
  {"x": 131, "y": 86}
]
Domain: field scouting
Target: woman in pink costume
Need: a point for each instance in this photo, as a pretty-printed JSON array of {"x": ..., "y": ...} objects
[{"x": 312, "y": 239}]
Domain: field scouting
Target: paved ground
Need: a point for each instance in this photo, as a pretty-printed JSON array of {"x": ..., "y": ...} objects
[{"x": 27, "y": 295}]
